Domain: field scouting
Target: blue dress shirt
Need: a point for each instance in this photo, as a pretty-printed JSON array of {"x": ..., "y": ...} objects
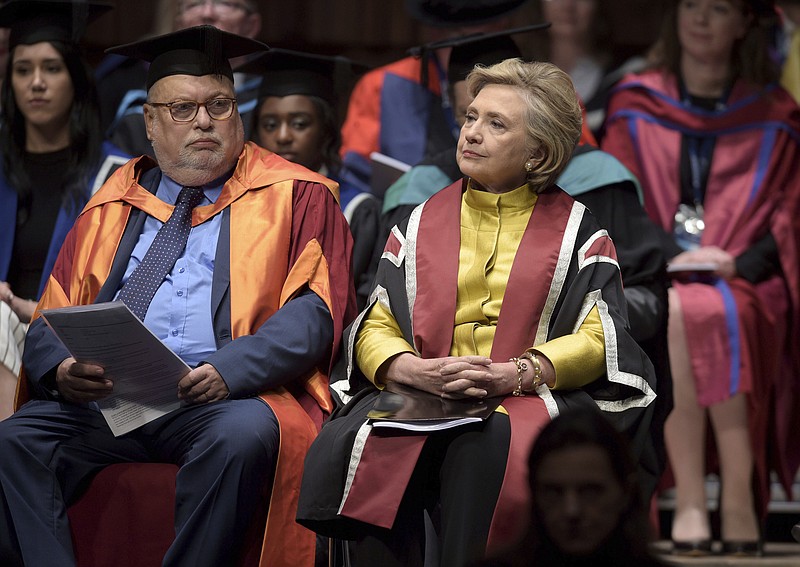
[{"x": 180, "y": 312}]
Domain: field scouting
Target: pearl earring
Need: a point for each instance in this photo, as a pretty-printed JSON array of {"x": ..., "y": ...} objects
[{"x": 528, "y": 167}]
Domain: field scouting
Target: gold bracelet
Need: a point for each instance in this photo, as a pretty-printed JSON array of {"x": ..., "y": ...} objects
[
  {"x": 521, "y": 368},
  {"x": 538, "y": 379}
]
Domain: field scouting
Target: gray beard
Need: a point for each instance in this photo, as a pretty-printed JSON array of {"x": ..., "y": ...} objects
[{"x": 196, "y": 168}]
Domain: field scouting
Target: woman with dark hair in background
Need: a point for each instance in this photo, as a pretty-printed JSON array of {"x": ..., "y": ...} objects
[
  {"x": 53, "y": 158},
  {"x": 715, "y": 144}
]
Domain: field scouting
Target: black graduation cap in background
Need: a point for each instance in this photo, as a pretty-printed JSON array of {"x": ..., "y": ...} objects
[
  {"x": 197, "y": 51},
  {"x": 468, "y": 50},
  {"x": 483, "y": 51},
  {"x": 32, "y": 21},
  {"x": 286, "y": 72},
  {"x": 473, "y": 37}
]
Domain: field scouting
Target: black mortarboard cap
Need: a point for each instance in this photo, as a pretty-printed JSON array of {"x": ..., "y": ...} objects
[
  {"x": 472, "y": 49},
  {"x": 32, "y": 21},
  {"x": 197, "y": 51},
  {"x": 473, "y": 37},
  {"x": 286, "y": 72},
  {"x": 465, "y": 56}
]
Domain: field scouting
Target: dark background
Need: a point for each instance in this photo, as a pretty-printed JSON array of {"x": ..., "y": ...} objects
[{"x": 371, "y": 31}]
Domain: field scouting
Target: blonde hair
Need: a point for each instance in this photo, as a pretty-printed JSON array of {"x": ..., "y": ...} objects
[{"x": 553, "y": 114}]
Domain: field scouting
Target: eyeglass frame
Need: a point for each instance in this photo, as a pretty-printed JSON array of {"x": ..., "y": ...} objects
[
  {"x": 245, "y": 7},
  {"x": 169, "y": 105}
]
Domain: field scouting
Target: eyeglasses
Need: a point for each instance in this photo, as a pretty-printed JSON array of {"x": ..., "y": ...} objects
[
  {"x": 222, "y": 7},
  {"x": 186, "y": 110}
]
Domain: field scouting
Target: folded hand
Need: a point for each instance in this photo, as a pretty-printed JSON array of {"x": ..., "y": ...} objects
[{"x": 202, "y": 385}]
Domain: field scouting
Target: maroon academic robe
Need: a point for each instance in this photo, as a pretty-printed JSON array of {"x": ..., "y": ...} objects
[{"x": 737, "y": 331}]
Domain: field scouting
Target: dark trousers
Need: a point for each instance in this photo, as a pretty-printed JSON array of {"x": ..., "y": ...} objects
[
  {"x": 457, "y": 479},
  {"x": 50, "y": 451}
]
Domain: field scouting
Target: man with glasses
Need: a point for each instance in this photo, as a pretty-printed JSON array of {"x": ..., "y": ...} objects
[
  {"x": 121, "y": 88},
  {"x": 253, "y": 299}
]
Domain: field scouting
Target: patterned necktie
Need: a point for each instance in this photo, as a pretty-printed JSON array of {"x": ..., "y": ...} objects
[{"x": 166, "y": 248}]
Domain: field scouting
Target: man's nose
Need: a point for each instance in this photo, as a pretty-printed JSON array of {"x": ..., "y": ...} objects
[
  {"x": 203, "y": 119},
  {"x": 207, "y": 10}
]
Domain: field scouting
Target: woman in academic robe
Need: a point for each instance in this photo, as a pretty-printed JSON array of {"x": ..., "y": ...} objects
[
  {"x": 715, "y": 143},
  {"x": 498, "y": 286}
]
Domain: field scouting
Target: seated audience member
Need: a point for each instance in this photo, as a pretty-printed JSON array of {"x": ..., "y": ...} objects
[
  {"x": 500, "y": 285},
  {"x": 587, "y": 510},
  {"x": 245, "y": 278},
  {"x": 53, "y": 158},
  {"x": 296, "y": 117},
  {"x": 126, "y": 128},
  {"x": 715, "y": 143},
  {"x": 400, "y": 109}
]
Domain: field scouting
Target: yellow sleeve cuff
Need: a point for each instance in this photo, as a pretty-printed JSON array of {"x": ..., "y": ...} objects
[
  {"x": 378, "y": 340},
  {"x": 580, "y": 358}
]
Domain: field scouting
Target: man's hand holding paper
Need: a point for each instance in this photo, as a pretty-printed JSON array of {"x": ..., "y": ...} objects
[{"x": 81, "y": 383}]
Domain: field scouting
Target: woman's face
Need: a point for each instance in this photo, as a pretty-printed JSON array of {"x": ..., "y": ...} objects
[
  {"x": 291, "y": 127},
  {"x": 578, "y": 498},
  {"x": 570, "y": 19},
  {"x": 42, "y": 85},
  {"x": 492, "y": 145},
  {"x": 708, "y": 29}
]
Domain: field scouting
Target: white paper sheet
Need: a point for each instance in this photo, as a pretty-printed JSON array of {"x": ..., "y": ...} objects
[
  {"x": 145, "y": 372},
  {"x": 692, "y": 267},
  {"x": 429, "y": 425}
]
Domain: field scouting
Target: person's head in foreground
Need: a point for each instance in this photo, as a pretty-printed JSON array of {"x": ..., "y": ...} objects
[
  {"x": 586, "y": 501},
  {"x": 190, "y": 114},
  {"x": 521, "y": 127}
]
